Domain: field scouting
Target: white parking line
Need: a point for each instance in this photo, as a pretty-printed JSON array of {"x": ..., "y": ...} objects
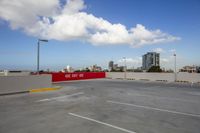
[
  {"x": 103, "y": 123},
  {"x": 60, "y": 97},
  {"x": 152, "y": 108},
  {"x": 159, "y": 97},
  {"x": 194, "y": 93},
  {"x": 172, "y": 87}
]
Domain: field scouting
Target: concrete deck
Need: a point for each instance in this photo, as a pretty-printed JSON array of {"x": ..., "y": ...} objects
[{"x": 104, "y": 106}]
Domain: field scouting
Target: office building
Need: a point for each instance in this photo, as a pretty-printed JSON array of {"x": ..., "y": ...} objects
[
  {"x": 150, "y": 59},
  {"x": 110, "y": 65}
]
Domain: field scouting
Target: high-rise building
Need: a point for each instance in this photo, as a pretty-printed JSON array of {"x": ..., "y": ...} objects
[
  {"x": 110, "y": 65},
  {"x": 150, "y": 59},
  {"x": 198, "y": 69}
]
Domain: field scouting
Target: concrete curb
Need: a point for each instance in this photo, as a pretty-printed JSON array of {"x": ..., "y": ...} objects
[
  {"x": 32, "y": 91},
  {"x": 13, "y": 93}
]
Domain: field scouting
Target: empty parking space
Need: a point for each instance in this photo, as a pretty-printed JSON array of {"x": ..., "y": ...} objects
[{"x": 113, "y": 106}]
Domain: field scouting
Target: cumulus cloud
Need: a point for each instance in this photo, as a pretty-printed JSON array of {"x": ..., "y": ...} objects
[
  {"x": 130, "y": 62},
  {"x": 159, "y": 50},
  {"x": 50, "y": 19},
  {"x": 172, "y": 50},
  {"x": 164, "y": 60}
]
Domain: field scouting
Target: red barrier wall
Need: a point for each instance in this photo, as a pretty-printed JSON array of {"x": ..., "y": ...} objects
[{"x": 57, "y": 77}]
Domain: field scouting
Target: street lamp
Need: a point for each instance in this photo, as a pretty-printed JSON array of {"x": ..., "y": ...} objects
[
  {"x": 175, "y": 74},
  {"x": 124, "y": 67},
  {"x": 38, "y": 54}
]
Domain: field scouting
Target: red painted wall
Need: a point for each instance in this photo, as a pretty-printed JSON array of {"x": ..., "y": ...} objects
[{"x": 59, "y": 76}]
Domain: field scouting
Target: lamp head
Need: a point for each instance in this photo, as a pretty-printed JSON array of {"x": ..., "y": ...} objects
[{"x": 43, "y": 40}]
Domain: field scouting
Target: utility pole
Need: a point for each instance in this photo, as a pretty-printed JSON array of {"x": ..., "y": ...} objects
[
  {"x": 124, "y": 67},
  {"x": 38, "y": 54},
  {"x": 38, "y": 57},
  {"x": 175, "y": 73}
]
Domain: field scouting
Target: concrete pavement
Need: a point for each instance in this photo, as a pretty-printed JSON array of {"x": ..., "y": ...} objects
[{"x": 110, "y": 106}]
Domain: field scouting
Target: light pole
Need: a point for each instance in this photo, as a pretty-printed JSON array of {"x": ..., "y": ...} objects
[
  {"x": 124, "y": 67},
  {"x": 38, "y": 54},
  {"x": 175, "y": 74}
]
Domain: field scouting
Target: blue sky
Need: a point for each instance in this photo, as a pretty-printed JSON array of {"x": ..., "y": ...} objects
[{"x": 177, "y": 18}]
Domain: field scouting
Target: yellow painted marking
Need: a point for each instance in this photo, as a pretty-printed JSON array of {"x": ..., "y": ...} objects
[{"x": 44, "y": 89}]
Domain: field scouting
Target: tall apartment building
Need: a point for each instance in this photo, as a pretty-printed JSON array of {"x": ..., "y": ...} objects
[
  {"x": 110, "y": 65},
  {"x": 150, "y": 59}
]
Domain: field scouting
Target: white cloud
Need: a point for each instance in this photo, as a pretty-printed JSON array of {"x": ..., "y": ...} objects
[
  {"x": 73, "y": 6},
  {"x": 164, "y": 60},
  {"x": 48, "y": 19},
  {"x": 172, "y": 50},
  {"x": 130, "y": 62},
  {"x": 26, "y": 13},
  {"x": 159, "y": 50}
]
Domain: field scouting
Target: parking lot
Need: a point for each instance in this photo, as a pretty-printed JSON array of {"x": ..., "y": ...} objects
[{"x": 104, "y": 106}]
